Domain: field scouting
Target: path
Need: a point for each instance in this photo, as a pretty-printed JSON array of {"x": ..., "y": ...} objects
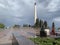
[{"x": 21, "y": 35}]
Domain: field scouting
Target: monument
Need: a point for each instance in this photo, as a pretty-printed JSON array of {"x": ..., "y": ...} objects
[
  {"x": 35, "y": 12},
  {"x": 53, "y": 29}
]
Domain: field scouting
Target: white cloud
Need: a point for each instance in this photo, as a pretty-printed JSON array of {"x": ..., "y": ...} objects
[
  {"x": 1, "y": 5},
  {"x": 28, "y": 2},
  {"x": 56, "y": 19},
  {"x": 13, "y": 4},
  {"x": 53, "y": 5}
]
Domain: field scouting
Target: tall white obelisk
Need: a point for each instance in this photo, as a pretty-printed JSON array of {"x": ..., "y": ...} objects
[{"x": 35, "y": 12}]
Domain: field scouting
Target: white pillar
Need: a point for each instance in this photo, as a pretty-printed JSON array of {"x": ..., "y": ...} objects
[{"x": 35, "y": 12}]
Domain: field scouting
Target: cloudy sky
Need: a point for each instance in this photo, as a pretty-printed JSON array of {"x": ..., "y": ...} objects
[{"x": 22, "y": 11}]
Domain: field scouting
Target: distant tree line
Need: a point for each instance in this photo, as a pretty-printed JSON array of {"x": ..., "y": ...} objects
[
  {"x": 26, "y": 25},
  {"x": 16, "y": 26}
]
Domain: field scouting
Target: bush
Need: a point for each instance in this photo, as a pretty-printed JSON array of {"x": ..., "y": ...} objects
[
  {"x": 46, "y": 41},
  {"x": 43, "y": 34},
  {"x": 2, "y": 25}
]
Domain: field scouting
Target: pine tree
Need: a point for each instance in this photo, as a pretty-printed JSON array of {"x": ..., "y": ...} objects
[
  {"x": 45, "y": 24},
  {"x": 53, "y": 25},
  {"x": 40, "y": 23},
  {"x": 37, "y": 23},
  {"x": 42, "y": 32},
  {"x": 42, "y": 28}
]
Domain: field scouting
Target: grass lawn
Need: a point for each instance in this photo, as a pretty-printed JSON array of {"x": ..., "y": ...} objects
[{"x": 46, "y": 41}]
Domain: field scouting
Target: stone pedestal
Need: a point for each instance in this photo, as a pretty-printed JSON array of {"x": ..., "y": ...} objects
[{"x": 43, "y": 34}]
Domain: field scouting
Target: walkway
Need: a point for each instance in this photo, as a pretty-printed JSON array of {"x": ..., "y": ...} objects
[{"x": 21, "y": 36}]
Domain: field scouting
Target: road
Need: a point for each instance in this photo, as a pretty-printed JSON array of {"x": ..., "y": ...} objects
[{"x": 21, "y": 34}]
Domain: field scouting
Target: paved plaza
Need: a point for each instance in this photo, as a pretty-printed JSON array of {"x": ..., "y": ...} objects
[{"x": 21, "y": 35}]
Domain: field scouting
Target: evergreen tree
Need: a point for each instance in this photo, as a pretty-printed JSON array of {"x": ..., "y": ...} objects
[
  {"x": 42, "y": 32},
  {"x": 41, "y": 23},
  {"x": 53, "y": 25},
  {"x": 45, "y": 24},
  {"x": 37, "y": 23}
]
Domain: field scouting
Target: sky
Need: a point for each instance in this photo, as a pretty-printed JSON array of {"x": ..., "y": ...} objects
[{"x": 22, "y": 11}]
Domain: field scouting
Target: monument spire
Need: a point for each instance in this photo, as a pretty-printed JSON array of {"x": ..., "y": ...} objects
[{"x": 35, "y": 12}]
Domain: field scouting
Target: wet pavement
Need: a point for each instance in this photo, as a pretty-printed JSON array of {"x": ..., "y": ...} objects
[
  {"x": 21, "y": 35},
  {"x": 22, "y": 40}
]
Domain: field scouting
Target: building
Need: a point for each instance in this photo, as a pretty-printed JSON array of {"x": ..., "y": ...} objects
[{"x": 47, "y": 32}]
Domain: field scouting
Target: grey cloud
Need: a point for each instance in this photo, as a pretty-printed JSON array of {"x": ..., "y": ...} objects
[{"x": 21, "y": 12}]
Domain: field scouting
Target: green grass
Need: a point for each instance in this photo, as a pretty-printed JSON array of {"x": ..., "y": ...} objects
[{"x": 45, "y": 41}]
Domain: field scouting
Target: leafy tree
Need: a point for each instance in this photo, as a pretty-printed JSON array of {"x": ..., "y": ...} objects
[{"x": 2, "y": 25}]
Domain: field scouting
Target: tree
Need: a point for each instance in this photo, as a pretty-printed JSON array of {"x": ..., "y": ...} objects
[
  {"x": 40, "y": 23},
  {"x": 2, "y": 25},
  {"x": 42, "y": 32},
  {"x": 25, "y": 25},
  {"x": 53, "y": 25},
  {"x": 37, "y": 23},
  {"x": 16, "y": 26},
  {"x": 45, "y": 24},
  {"x": 29, "y": 25}
]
